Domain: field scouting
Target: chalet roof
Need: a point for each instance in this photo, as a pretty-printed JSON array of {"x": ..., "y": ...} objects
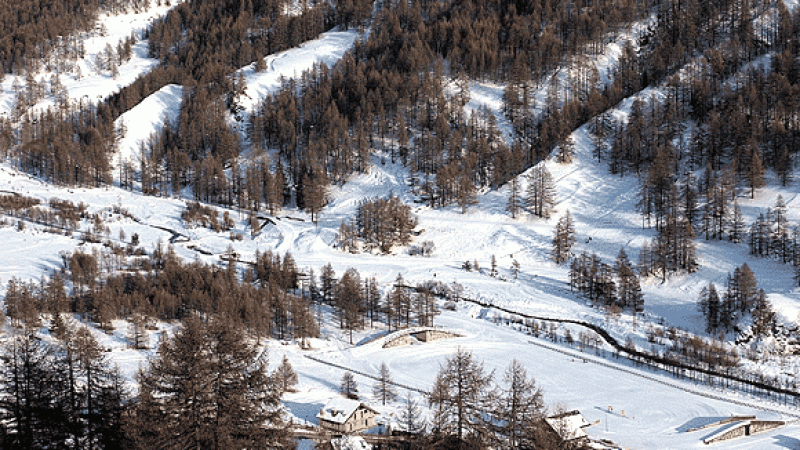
[
  {"x": 339, "y": 409},
  {"x": 568, "y": 425}
]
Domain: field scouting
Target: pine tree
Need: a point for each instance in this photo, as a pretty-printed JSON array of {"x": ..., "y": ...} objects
[
  {"x": 779, "y": 238},
  {"x": 424, "y": 306},
  {"x": 347, "y": 237},
  {"x": 411, "y": 416},
  {"x": 315, "y": 193},
  {"x": 208, "y": 388},
  {"x": 350, "y": 304},
  {"x": 737, "y": 232},
  {"x": 687, "y": 246},
  {"x": 514, "y": 204},
  {"x": 630, "y": 291},
  {"x": 101, "y": 396},
  {"x": 708, "y": 304},
  {"x": 540, "y": 194},
  {"x": 458, "y": 394},
  {"x": 744, "y": 288},
  {"x": 286, "y": 376},
  {"x": 36, "y": 412},
  {"x": 55, "y": 294},
  {"x": 755, "y": 170},
  {"x": 467, "y": 193},
  {"x": 566, "y": 151},
  {"x": 519, "y": 407},
  {"x": 328, "y": 282},
  {"x": 758, "y": 237},
  {"x": 673, "y": 250},
  {"x": 515, "y": 267},
  {"x": 400, "y": 302},
  {"x": 763, "y": 315},
  {"x": 563, "y": 239},
  {"x": 384, "y": 388},
  {"x": 373, "y": 299},
  {"x": 60, "y": 327},
  {"x": 689, "y": 198},
  {"x": 348, "y": 386},
  {"x": 137, "y": 332}
]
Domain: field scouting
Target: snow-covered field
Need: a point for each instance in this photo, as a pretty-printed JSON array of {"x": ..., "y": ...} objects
[
  {"x": 644, "y": 414},
  {"x": 656, "y": 414}
]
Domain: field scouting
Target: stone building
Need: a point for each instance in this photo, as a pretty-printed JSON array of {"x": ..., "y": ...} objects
[{"x": 342, "y": 415}]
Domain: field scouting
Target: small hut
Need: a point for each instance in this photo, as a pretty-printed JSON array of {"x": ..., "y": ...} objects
[
  {"x": 569, "y": 426},
  {"x": 342, "y": 415}
]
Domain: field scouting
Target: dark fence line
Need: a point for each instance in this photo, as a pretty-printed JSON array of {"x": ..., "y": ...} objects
[
  {"x": 660, "y": 381},
  {"x": 676, "y": 368}
]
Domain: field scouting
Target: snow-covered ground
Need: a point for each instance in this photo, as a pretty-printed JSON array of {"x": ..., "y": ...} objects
[
  {"x": 633, "y": 412},
  {"x": 326, "y": 49},
  {"x": 656, "y": 414},
  {"x": 87, "y": 81},
  {"x": 149, "y": 116},
  {"x": 145, "y": 120}
]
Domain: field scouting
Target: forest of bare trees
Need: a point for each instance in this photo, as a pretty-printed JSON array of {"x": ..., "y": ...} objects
[
  {"x": 209, "y": 387},
  {"x": 398, "y": 97},
  {"x": 379, "y": 223},
  {"x": 472, "y": 410},
  {"x": 31, "y": 32},
  {"x": 389, "y": 94}
]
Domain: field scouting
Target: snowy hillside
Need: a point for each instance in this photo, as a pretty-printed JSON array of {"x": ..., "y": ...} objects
[
  {"x": 147, "y": 118},
  {"x": 88, "y": 80},
  {"x": 483, "y": 231},
  {"x": 634, "y": 407}
]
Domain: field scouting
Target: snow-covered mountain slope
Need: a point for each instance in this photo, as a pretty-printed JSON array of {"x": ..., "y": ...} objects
[
  {"x": 146, "y": 119},
  {"x": 483, "y": 231},
  {"x": 657, "y": 411},
  {"x": 327, "y": 49},
  {"x": 149, "y": 116},
  {"x": 87, "y": 81}
]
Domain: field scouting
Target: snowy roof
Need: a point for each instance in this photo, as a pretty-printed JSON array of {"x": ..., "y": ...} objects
[
  {"x": 568, "y": 425},
  {"x": 339, "y": 409},
  {"x": 350, "y": 443},
  {"x": 724, "y": 430}
]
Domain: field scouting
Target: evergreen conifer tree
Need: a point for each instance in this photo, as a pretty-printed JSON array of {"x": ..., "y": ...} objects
[
  {"x": 208, "y": 388},
  {"x": 348, "y": 387},
  {"x": 563, "y": 239},
  {"x": 383, "y": 388}
]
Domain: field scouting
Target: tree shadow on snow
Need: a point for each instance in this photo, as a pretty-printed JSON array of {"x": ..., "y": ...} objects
[
  {"x": 304, "y": 411},
  {"x": 787, "y": 442},
  {"x": 698, "y": 422},
  {"x": 372, "y": 337}
]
